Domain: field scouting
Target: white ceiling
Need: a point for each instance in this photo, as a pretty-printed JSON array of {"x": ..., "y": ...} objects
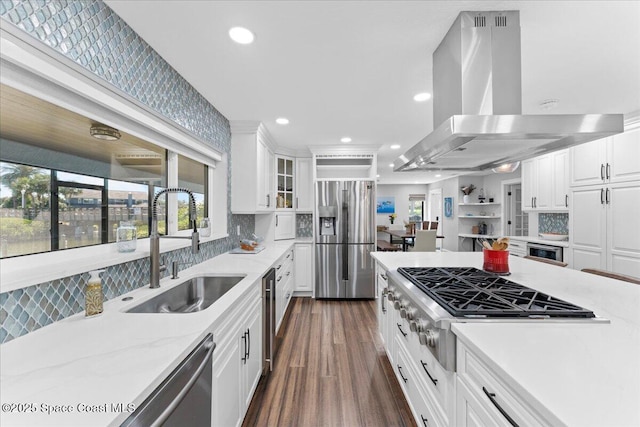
[{"x": 351, "y": 68}]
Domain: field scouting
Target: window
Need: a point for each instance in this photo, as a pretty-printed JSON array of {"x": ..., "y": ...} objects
[
  {"x": 61, "y": 188},
  {"x": 191, "y": 175}
]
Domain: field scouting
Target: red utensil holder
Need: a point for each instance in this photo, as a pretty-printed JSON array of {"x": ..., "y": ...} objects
[{"x": 495, "y": 261}]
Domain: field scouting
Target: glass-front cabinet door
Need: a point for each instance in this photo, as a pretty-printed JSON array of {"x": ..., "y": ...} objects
[{"x": 285, "y": 179}]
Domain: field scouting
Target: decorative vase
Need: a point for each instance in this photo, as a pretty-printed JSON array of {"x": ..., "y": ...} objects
[
  {"x": 391, "y": 220},
  {"x": 466, "y": 199}
]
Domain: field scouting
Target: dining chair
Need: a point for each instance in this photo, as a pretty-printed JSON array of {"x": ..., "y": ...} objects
[
  {"x": 612, "y": 275},
  {"x": 546, "y": 260},
  {"x": 425, "y": 241},
  {"x": 429, "y": 225}
]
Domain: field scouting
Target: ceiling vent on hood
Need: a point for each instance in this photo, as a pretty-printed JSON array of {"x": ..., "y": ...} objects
[{"x": 477, "y": 103}]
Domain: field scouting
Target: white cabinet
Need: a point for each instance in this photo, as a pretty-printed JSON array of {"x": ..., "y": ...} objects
[
  {"x": 285, "y": 225},
  {"x": 538, "y": 182},
  {"x": 284, "y": 285},
  {"x": 605, "y": 228},
  {"x": 285, "y": 189},
  {"x": 237, "y": 360},
  {"x": 483, "y": 398},
  {"x": 304, "y": 190},
  {"x": 560, "y": 183},
  {"x": 252, "y": 169},
  {"x": 605, "y": 204},
  {"x": 303, "y": 268},
  {"x": 252, "y": 358},
  {"x": 608, "y": 160}
]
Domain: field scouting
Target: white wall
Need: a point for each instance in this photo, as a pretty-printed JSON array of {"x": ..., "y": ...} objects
[
  {"x": 401, "y": 193},
  {"x": 492, "y": 185}
]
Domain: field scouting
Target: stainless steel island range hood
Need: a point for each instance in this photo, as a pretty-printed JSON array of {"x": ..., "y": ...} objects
[{"x": 477, "y": 103}]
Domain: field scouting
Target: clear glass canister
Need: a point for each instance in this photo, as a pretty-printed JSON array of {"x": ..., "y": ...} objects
[{"x": 126, "y": 237}]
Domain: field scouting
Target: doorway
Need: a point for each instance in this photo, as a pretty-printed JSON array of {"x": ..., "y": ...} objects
[{"x": 516, "y": 222}]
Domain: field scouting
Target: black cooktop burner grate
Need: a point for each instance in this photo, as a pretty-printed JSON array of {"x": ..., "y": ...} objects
[{"x": 470, "y": 292}]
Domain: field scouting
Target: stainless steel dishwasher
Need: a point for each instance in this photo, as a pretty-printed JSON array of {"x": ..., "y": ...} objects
[
  {"x": 184, "y": 398},
  {"x": 268, "y": 320}
]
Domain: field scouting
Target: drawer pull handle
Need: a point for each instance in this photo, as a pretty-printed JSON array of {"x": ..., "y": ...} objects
[
  {"x": 602, "y": 172},
  {"x": 433, "y": 380},
  {"x": 402, "y": 376},
  {"x": 492, "y": 398},
  {"x": 424, "y": 421},
  {"x": 404, "y": 334}
]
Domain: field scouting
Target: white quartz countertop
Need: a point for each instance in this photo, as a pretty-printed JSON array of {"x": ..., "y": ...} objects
[
  {"x": 586, "y": 374},
  {"x": 85, "y": 365}
]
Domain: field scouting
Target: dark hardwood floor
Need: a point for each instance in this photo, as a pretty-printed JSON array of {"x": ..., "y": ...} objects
[{"x": 330, "y": 370}]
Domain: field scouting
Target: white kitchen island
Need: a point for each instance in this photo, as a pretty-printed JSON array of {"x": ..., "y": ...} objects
[{"x": 576, "y": 374}]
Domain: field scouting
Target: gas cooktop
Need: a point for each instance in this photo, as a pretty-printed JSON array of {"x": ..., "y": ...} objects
[{"x": 470, "y": 292}]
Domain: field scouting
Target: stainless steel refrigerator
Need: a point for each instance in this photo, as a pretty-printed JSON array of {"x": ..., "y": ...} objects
[{"x": 345, "y": 235}]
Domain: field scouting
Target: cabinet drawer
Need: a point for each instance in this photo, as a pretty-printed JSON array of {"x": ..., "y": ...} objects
[
  {"x": 419, "y": 400},
  {"x": 497, "y": 398},
  {"x": 434, "y": 378}
]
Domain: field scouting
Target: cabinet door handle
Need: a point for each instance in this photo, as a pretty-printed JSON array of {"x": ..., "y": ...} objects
[
  {"x": 268, "y": 200},
  {"x": 402, "y": 376},
  {"x": 404, "y": 334},
  {"x": 492, "y": 398},
  {"x": 566, "y": 200},
  {"x": 602, "y": 171},
  {"x": 279, "y": 278},
  {"x": 433, "y": 380},
  {"x": 608, "y": 171},
  {"x": 249, "y": 344},
  {"x": 297, "y": 203},
  {"x": 278, "y": 267},
  {"x": 602, "y": 196},
  {"x": 424, "y": 421},
  {"x": 382, "y": 304},
  {"x": 276, "y": 220},
  {"x": 244, "y": 339},
  {"x": 607, "y": 198}
]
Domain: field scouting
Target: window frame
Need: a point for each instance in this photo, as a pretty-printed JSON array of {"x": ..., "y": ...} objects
[{"x": 61, "y": 81}]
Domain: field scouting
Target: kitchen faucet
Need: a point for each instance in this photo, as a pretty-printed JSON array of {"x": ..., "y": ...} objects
[{"x": 154, "y": 238}]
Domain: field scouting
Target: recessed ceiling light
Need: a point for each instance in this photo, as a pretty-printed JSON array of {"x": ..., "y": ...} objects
[
  {"x": 241, "y": 35},
  {"x": 438, "y": 176},
  {"x": 378, "y": 176},
  {"x": 282, "y": 121},
  {"x": 345, "y": 139},
  {"x": 421, "y": 97},
  {"x": 395, "y": 146},
  {"x": 390, "y": 165}
]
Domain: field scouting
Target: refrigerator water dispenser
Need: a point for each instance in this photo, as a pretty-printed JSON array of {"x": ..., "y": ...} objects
[{"x": 327, "y": 216}]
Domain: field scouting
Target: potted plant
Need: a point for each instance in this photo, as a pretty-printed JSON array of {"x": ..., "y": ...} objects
[
  {"x": 467, "y": 191},
  {"x": 392, "y": 217}
]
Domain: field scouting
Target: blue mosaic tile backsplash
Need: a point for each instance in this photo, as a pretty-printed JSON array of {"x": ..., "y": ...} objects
[
  {"x": 553, "y": 223},
  {"x": 93, "y": 36},
  {"x": 304, "y": 225}
]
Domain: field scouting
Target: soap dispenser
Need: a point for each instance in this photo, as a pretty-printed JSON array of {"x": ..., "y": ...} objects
[{"x": 93, "y": 294}]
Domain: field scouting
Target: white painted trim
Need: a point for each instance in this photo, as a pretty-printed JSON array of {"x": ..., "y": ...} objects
[
  {"x": 56, "y": 79},
  {"x": 632, "y": 120}
]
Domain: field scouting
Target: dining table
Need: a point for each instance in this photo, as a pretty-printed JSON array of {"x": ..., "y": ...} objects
[{"x": 406, "y": 237}]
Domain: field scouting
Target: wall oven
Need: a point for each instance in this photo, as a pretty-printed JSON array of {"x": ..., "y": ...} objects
[{"x": 545, "y": 251}]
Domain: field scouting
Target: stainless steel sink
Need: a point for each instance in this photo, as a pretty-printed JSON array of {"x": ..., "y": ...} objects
[{"x": 191, "y": 296}]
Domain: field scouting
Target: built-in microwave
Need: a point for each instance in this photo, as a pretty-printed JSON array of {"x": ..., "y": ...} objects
[{"x": 545, "y": 251}]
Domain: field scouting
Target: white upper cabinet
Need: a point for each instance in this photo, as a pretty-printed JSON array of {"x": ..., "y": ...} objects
[
  {"x": 541, "y": 182},
  {"x": 608, "y": 160},
  {"x": 285, "y": 189},
  {"x": 560, "y": 190},
  {"x": 252, "y": 169},
  {"x": 304, "y": 185}
]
